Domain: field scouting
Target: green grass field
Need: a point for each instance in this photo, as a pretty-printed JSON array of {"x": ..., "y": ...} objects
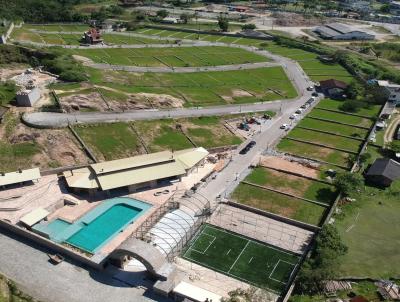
[
  {"x": 171, "y": 57},
  {"x": 239, "y": 257},
  {"x": 296, "y": 185},
  {"x": 370, "y": 228},
  {"x": 371, "y": 111},
  {"x": 315, "y": 152},
  {"x": 110, "y": 141},
  {"x": 341, "y": 117},
  {"x": 332, "y": 127},
  {"x": 203, "y": 88},
  {"x": 325, "y": 139},
  {"x": 278, "y": 204}
]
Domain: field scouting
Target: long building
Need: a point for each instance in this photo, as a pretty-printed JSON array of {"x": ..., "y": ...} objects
[
  {"x": 339, "y": 31},
  {"x": 135, "y": 173}
]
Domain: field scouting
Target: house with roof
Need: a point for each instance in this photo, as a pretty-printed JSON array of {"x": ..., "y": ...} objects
[
  {"x": 383, "y": 172},
  {"x": 391, "y": 90},
  {"x": 92, "y": 36},
  {"x": 333, "y": 88},
  {"x": 339, "y": 31},
  {"x": 135, "y": 173}
]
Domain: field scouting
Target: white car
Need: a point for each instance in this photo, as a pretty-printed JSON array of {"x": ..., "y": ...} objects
[
  {"x": 285, "y": 126},
  {"x": 299, "y": 111},
  {"x": 310, "y": 88},
  {"x": 293, "y": 116}
]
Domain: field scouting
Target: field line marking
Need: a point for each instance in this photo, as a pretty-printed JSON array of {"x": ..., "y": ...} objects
[
  {"x": 265, "y": 245},
  {"x": 273, "y": 270},
  {"x": 211, "y": 242},
  {"x": 248, "y": 241}
]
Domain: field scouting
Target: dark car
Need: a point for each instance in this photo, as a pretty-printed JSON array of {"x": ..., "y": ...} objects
[
  {"x": 247, "y": 148},
  {"x": 314, "y": 94}
]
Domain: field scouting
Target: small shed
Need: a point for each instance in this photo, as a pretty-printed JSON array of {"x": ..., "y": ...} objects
[
  {"x": 28, "y": 97},
  {"x": 383, "y": 172}
]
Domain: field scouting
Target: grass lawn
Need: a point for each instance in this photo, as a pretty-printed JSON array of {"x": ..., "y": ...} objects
[
  {"x": 242, "y": 258},
  {"x": 298, "y": 186},
  {"x": 110, "y": 141},
  {"x": 171, "y": 57},
  {"x": 341, "y": 117},
  {"x": 366, "y": 289},
  {"x": 372, "y": 110},
  {"x": 325, "y": 139},
  {"x": 334, "y": 128},
  {"x": 307, "y": 150},
  {"x": 17, "y": 156},
  {"x": 278, "y": 204},
  {"x": 370, "y": 228},
  {"x": 7, "y": 93}
]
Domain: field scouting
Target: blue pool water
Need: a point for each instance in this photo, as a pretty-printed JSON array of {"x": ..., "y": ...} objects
[
  {"x": 92, "y": 235},
  {"x": 98, "y": 226}
]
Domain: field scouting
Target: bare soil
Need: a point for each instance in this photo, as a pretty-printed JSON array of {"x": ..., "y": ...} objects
[
  {"x": 283, "y": 164},
  {"x": 292, "y": 19},
  {"x": 58, "y": 147}
]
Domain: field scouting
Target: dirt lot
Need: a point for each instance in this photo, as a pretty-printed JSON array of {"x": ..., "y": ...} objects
[
  {"x": 99, "y": 98},
  {"x": 283, "y": 164},
  {"x": 55, "y": 147}
]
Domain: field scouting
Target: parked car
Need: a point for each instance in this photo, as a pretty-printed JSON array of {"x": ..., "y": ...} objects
[
  {"x": 285, "y": 127},
  {"x": 304, "y": 106},
  {"x": 314, "y": 94},
  {"x": 248, "y": 147},
  {"x": 299, "y": 111},
  {"x": 293, "y": 116},
  {"x": 310, "y": 88}
]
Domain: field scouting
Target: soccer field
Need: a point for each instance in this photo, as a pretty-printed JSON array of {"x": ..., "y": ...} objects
[{"x": 239, "y": 257}]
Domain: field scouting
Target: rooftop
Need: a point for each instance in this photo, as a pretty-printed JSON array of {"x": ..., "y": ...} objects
[
  {"x": 19, "y": 176},
  {"x": 135, "y": 170},
  {"x": 332, "y": 83},
  {"x": 385, "y": 167}
]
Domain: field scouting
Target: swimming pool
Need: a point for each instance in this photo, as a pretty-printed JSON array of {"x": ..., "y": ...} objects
[{"x": 98, "y": 226}]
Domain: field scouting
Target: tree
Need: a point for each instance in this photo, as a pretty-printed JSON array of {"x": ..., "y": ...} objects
[
  {"x": 323, "y": 262},
  {"x": 351, "y": 106},
  {"x": 385, "y": 9},
  {"x": 395, "y": 146},
  {"x": 363, "y": 158},
  {"x": 223, "y": 22},
  {"x": 348, "y": 182},
  {"x": 249, "y": 26},
  {"x": 162, "y": 13},
  {"x": 354, "y": 89}
]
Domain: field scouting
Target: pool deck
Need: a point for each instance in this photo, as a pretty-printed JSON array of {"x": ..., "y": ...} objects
[{"x": 49, "y": 193}]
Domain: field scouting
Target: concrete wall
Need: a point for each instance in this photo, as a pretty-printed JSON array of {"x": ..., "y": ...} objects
[{"x": 4, "y": 37}]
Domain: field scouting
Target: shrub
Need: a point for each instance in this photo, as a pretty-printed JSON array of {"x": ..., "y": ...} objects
[
  {"x": 351, "y": 106},
  {"x": 248, "y": 26}
]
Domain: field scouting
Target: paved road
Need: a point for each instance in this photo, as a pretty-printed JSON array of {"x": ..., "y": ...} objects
[
  {"x": 292, "y": 69},
  {"x": 27, "y": 264}
]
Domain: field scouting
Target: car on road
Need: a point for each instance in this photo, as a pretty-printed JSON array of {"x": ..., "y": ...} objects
[
  {"x": 299, "y": 111},
  {"x": 285, "y": 126},
  {"x": 314, "y": 94},
  {"x": 310, "y": 88},
  {"x": 304, "y": 106},
  {"x": 293, "y": 116},
  {"x": 247, "y": 148}
]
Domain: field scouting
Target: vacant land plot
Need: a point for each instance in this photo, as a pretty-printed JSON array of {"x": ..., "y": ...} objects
[
  {"x": 298, "y": 186},
  {"x": 242, "y": 258},
  {"x": 341, "y": 117},
  {"x": 278, "y": 204},
  {"x": 371, "y": 110},
  {"x": 204, "y": 88},
  {"x": 171, "y": 57},
  {"x": 118, "y": 140},
  {"x": 56, "y": 27},
  {"x": 110, "y": 141},
  {"x": 370, "y": 229},
  {"x": 333, "y": 127},
  {"x": 329, "y": 140},
  {"x": 314, "y": 152}
]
